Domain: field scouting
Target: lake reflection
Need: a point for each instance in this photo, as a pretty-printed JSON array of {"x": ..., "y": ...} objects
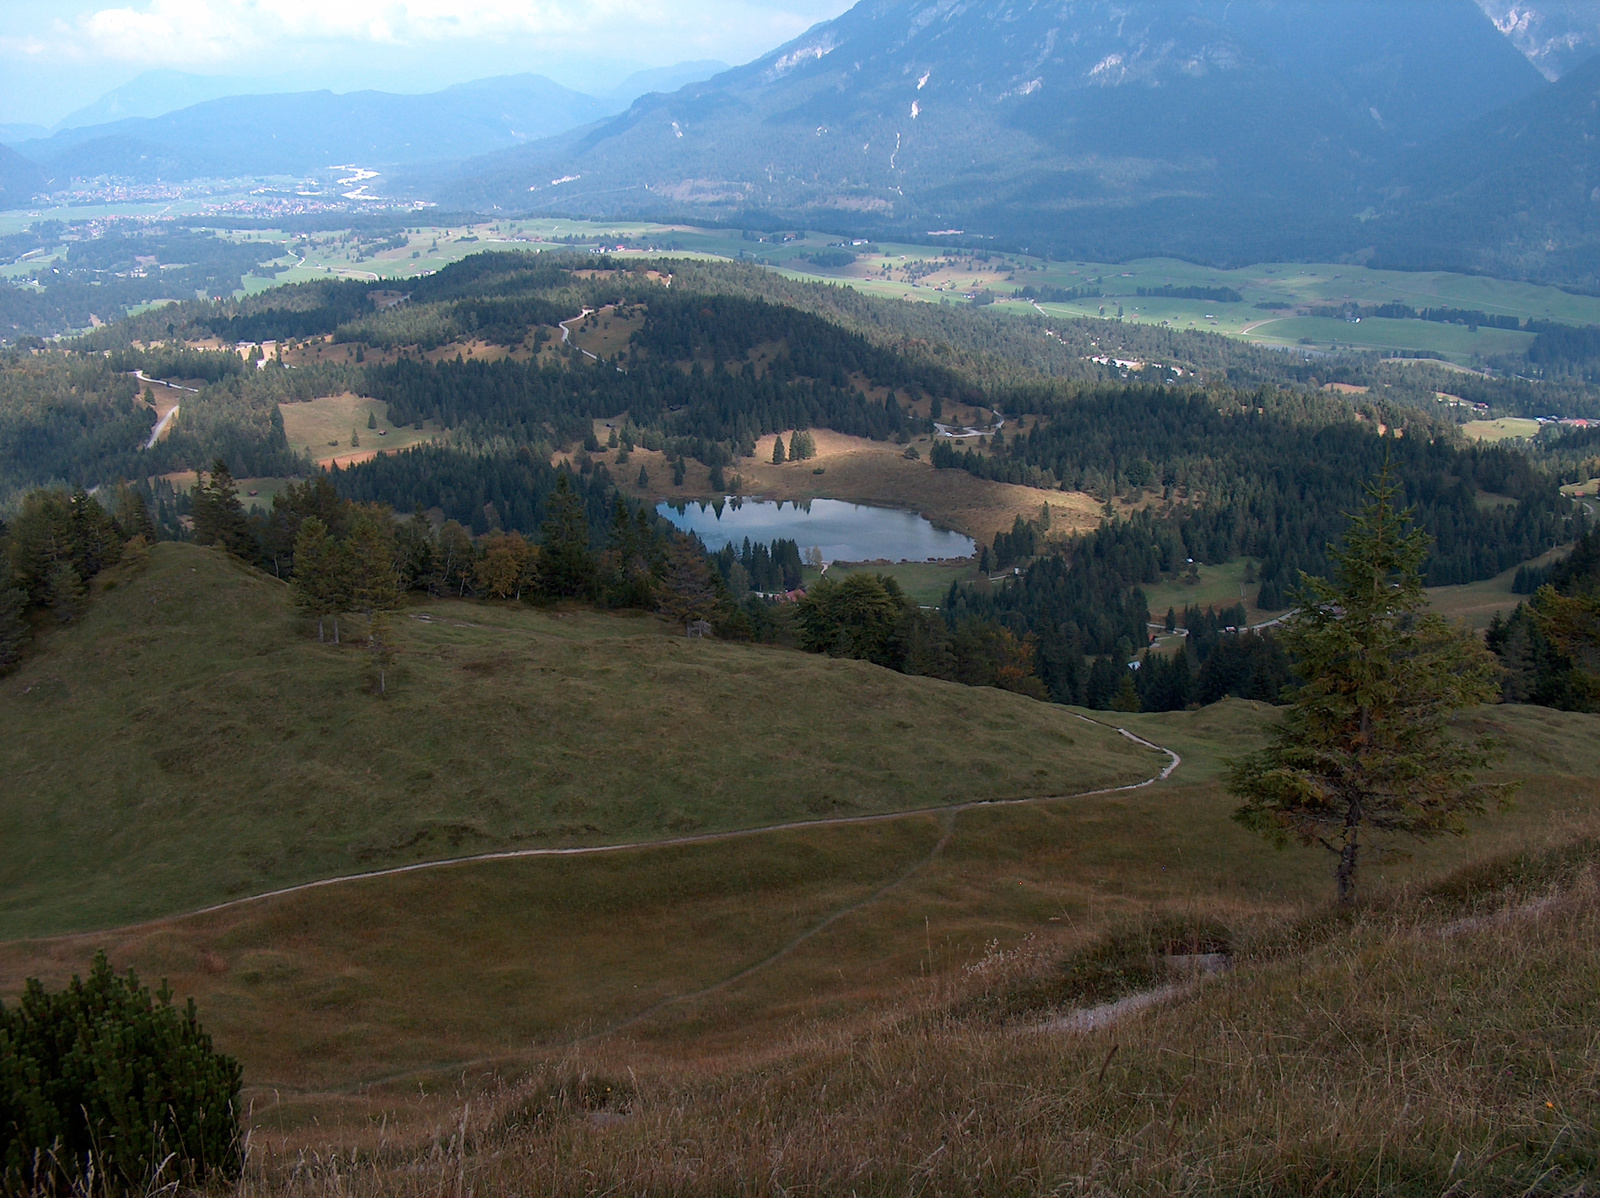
[{"x": 845, "y": 532}]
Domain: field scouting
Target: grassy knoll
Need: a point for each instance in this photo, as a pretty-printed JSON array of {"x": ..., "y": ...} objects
[
  {"x": 1403, "y": 1053},
  {"x": 189, "y": 742}
]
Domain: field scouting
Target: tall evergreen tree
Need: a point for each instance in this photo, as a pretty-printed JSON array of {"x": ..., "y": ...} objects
[
  {"x": 1365, "y": 747},
  {"x": 14, "y": 630},
  {"x": 320, "y": 584},
  {"x": 566, "y": 567},
  {"x": 779, "y": 457},
  {"x": 374, "y": 582},
  {"x": 218, "y": 515}
]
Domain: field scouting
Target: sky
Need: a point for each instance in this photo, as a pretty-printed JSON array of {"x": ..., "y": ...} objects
[{"x": 58, "y": 55}]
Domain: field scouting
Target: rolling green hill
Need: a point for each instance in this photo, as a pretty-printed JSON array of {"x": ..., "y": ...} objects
[{"x": 188, "y": 743}]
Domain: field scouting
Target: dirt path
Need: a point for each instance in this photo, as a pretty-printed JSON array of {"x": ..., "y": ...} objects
[
  {"x": 783, "y": 950},
  {"x": 668, "y": 842}
]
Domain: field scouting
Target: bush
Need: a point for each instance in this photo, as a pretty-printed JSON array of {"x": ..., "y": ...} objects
[{"x": 106, "y": 1080}]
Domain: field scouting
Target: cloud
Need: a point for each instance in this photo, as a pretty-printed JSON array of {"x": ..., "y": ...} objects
[{"x": 194, "y": 32}]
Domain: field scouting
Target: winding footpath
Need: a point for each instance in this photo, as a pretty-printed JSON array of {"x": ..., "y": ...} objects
[
  {"x": 948, "y": 814},
  {"x": 952, "y": 809}
]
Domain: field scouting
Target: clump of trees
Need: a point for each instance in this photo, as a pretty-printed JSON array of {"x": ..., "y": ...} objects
[
  {"x": 868, "y": 617},
  {"x": 57, "y": 544},
  {"x": 1550, "y": 645},
  {"x": 106, "y": 1087}
]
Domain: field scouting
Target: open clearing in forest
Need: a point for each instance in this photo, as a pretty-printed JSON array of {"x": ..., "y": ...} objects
[
  {"x": 322, "y": 428},
  {"x": 189, "y": 742},
  {"x": 1509, "y": 428}
]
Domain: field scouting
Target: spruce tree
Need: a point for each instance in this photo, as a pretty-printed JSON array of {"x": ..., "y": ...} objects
[
  {"x": 566, "y": 567},
  {"x": 319, "y": 575},
  {"x": 218, "y": 515},
  {"x": 779, "y": 457},
  {"x": 1365, "y": 746},
  {"x": 14, "y": 629},
  {"x": 374, "y": 582}
]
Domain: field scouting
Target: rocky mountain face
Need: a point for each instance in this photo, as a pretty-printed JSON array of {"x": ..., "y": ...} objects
[
  {"x": 1089, "y": 126},
  {"x": 1556, "y": 35}
]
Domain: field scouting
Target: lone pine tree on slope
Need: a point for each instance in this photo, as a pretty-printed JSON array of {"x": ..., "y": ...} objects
[{"x": 1365, "y": 746}]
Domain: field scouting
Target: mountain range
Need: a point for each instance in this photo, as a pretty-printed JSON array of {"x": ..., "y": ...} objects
[
  {"x": 1091, "y": 127},
  {"x": 1422, "y": 133},
  {"x": 298, "y": 132},
  {"x": 1556, "y": 35}
]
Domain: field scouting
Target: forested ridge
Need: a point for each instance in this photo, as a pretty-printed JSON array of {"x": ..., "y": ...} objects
[
  {"x": 1252, "y": 458},
  {"x": 1271, "y": 476}
]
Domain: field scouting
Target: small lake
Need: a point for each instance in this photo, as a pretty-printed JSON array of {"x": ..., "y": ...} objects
[{"x": 845, "y": 532}]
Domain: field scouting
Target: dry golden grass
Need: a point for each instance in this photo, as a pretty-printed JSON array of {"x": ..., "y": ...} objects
[{"x": 1444, "y": 1041}]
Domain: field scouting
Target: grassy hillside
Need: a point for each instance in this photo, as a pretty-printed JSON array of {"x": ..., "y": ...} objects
[
  {"x": 190, "y": 742},
  {"x": 707, "y": 952},
  {"x": 1438, "y": 1045}
]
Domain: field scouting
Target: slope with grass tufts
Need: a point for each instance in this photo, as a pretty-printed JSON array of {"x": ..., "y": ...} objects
[{"x": 188, "y": 742}]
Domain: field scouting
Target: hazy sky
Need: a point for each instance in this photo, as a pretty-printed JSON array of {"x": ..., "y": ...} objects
[{"x": 57, "y": 55}]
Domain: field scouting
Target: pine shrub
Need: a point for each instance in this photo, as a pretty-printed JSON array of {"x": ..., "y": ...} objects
[{"x": 108, "y": 1086}]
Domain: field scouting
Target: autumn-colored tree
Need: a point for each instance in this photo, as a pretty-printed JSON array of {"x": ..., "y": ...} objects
[
  {"x": 457, "y": 559},
  {"x": 688, "y": 591},
  {"x": 506, "y": 568}
]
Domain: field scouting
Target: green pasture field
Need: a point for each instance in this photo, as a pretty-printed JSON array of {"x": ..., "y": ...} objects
[
  {"x": 1450, "y": 341},
  {"x": 926, "y": 583},
  {"x": 1509, "y": 428},
  {"x": 1217, "y": 586},
  {"x": 189, "y": 741},
  {"x": 311, "y": 426},
  {"x": 938, "y": 274}
]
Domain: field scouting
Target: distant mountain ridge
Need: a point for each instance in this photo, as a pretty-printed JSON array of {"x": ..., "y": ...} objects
[
  {"x": 1104, "y": 127},
  {"x": 295, "y": 132},
  {"x": 20, "y": 179},
  {"x": 300, "y": 131}
]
